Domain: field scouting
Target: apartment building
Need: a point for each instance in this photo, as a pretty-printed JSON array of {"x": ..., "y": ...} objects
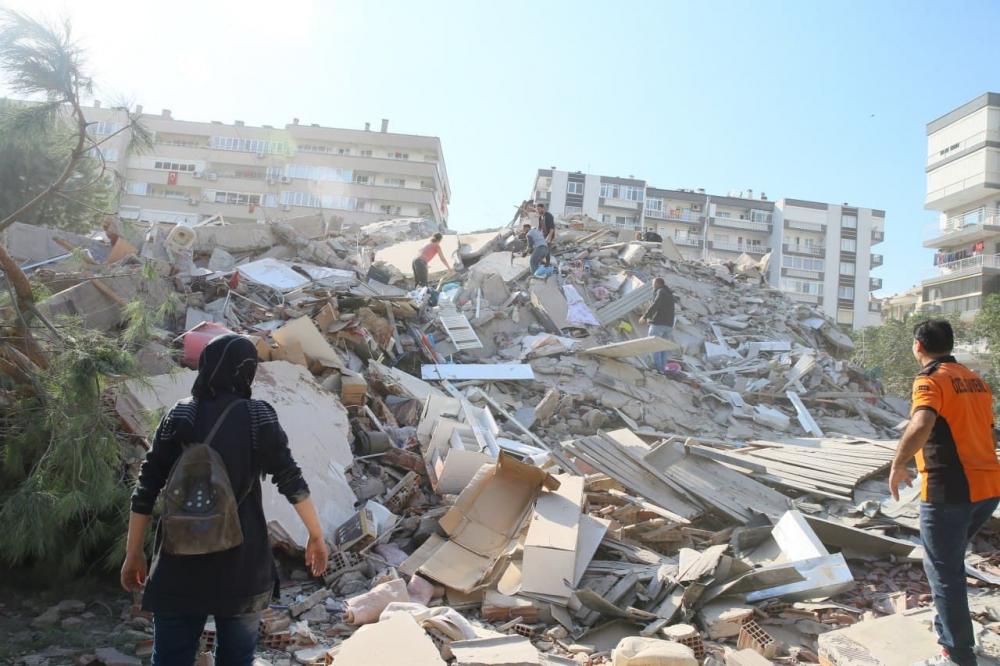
[
  {"x": 820, "y": 253},
  {"x": 963, "y": 185},
  {"x": 255, "y": 174}
]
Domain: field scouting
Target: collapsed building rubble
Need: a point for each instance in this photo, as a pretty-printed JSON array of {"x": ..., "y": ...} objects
[{"x": 503, "y": 475}]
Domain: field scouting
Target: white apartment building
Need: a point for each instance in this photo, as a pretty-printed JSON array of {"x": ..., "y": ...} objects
[
  {"x": 820, "y": 253},
  {"x": 963, "y": 185},
  {"x": 255, "y": 174}
]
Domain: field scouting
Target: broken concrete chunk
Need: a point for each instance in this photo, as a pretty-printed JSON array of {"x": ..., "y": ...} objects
[{"x": 640, "y": 651}]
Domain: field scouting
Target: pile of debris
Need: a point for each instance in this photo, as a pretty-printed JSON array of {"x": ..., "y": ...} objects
[{"x": 504, "y": 477}]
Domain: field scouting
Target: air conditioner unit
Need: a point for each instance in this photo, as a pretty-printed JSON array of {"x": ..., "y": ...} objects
[
  {"x": 197, "y": 174},
  {"x": 696, "y": 208},
  {"x": 286, "y": 179},
  {"x": 192, "y": 201},
  {"x": 211, "y": 175},
  {"x": 286, "y": 207}
]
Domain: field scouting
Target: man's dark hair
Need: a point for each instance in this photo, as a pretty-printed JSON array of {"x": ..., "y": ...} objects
[
  {"x": 935, "y": 336},
  {"x": 526, "y": 226},
  {"x": 542, "y": 205},
  {"x": 659, "y": 281}
]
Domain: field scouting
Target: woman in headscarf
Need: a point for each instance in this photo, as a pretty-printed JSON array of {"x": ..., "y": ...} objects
[{"x": 233, "y": 585}]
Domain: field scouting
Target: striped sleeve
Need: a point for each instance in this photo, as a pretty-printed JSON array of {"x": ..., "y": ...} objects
[
  {"x": 270, "y": 440},
  {"x": 162, "y": 454}
]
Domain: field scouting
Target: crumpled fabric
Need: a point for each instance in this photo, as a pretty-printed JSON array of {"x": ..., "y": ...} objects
[
  {"x": 367, "y": 607},
  {"x": 447, "y": 620},
  {"x": 421, "y": 590},
  {"x": 577, "y": 312}
]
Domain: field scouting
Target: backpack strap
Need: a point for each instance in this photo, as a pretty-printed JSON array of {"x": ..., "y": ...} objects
[{"x": 218, "y": 421}]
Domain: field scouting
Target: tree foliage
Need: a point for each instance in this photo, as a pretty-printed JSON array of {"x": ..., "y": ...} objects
[{"x": 31, "y": 162}]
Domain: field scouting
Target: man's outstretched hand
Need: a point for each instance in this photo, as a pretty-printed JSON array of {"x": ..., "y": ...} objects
[{"x": 897, "y": 476}]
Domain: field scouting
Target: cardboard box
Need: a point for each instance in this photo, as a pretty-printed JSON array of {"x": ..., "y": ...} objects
[
  {"x": 364, "y": 527},
  {"x": 353, "y": 389},
  {"x": 482, "y": 526}
]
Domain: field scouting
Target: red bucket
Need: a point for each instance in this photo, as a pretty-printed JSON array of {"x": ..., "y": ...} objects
[{"x": 196, "y": 339}]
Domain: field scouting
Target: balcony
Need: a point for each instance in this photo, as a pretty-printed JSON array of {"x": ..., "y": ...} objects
[
  {"x": 964, "y": 267},
  {"x": 741, "y": 247},
  {"x": 690, "y": 241},
  {"x": 804, "y": 298},
  {"x": 877, "y": 260},
  {"x": 802, "y": 273},
  {"x": 874, "y": 306},
  {"x": 619, "y": 203},
  {"x": 543, "y": 196},
  {"x": 809, "y": 250},
  {"x": 674, "y": 215},
  {"x": 736, "y": 223},
  {"x": 806, "y": 226},
  {"x": 874, "y": 284},
  {"x": 878, "y": 235},
  {"x": 972, "y": 225}
]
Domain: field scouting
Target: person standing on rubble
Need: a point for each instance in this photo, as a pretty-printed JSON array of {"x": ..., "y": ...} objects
[
  {"x": 537, "y": 247},
  {"x": 660, "y": 317},
  {"x": 234, "y": 585},
  {"x": 951, "y": 434},
  {"x": 425, "y": 256},
  {"x": 546, "y": 225}
]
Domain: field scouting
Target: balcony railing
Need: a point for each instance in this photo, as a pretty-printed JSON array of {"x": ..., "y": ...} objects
[
  {"x": 803, "y": 298},
  {"x": 620, "y": 203},
  {"x": 736, "y": 223},
  {"x": 874, "y": 284},
  {"x": 969, "y": 264},
  {"x": 675, "y": 215},
  {"x": 974, "y": 218},
  {"x": 690, "y": 241},
  {"x": 741, "y": 247},
  {"x": 812, "y": 250},
  {"x": 877, "y": 260},
  {"x": 878, "y": 235},
  {"x": 806, "y": 226}
]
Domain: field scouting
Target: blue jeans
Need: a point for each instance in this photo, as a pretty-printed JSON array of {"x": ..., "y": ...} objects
[
  {"x": 660, "y": 359},
  {"x": 538, "y": 255},
  {"x": 945, "y": 530},
  {"x": 176, "y": 636}
]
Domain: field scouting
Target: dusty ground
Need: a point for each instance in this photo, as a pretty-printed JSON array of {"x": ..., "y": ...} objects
[{"x": 75, "y": 632}]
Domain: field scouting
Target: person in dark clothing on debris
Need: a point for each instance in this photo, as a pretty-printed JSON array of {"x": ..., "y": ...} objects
[
  {"x": 547, "y": 226},
  {"x": 648, "y": 237},
  {"x": 660, "y": 317},
  {"x": 233, "y": 585},
  {"x": 952, "y": 435},
  {"x": 537, "y": 247}
]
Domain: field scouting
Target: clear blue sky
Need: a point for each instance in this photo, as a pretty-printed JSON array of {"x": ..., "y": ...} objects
[{"x": 824, "y": 101}]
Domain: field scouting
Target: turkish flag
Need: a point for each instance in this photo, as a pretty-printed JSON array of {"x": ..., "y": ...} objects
[
  {"x": 172, "y": 178},
  {"x": 251, "y": 208}
]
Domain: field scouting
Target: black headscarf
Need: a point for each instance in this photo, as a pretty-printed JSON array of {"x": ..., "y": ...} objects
[{"x": 227, "y": 365}]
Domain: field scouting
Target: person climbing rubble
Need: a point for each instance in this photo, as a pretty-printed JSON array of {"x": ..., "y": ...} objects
[
  {"x": 660, "y": 317},
  {"x": 951, "y": 434},
  {"x": 546, "y": 225},
  {"x": 425, "y": 256},
  {"x": 538, "y": 248}
]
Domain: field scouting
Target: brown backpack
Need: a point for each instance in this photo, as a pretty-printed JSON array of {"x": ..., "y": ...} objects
[{"x": 200, "y": 510}]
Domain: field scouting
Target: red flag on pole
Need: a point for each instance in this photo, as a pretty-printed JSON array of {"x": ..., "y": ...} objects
[{"x": 172, "y": 178}]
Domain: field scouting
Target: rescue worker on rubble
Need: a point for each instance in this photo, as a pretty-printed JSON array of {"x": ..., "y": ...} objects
[
  {"x": 425, "y": 256},
  {"x": 952, "y": 434},
  {"x": 537, "y": 247},
  {"x": 546, "y": 225},
  {"x": 660, "y": 317},
  {"x": 648, "y": 237}
]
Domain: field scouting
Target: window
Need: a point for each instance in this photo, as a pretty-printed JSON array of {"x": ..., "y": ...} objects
[
  {"x": 259, "y": 146},
  {"x": 845, "y": 292},
  {"x": 273, "y": 173},
  {"x": 318, "y": 173},
  {"x": 290, "y": 198},
  {"x": 849, "y": 221},
  {"x": 395, "y": 182},
  {"x": 845, "y": 317},
  {"x": 606, "y": 219},
  {"x": 654, "y": 204},
  {"x": 311, "y": 148},
  {"x": 723, "y": 213},
  {"x": 573, "y": 187},
  {"x": 104, "y": 128},
  {"x": 343, "y": 151},
  {"x": 573, "y": 209},
  {"x": 802, "y": 263},
  {"x": 365, "y": 153},
  {"x": 848, "y": 245},
  {"x": 802, "y": 287},
  {"x": 242, "y": 198},
  {"x": 397, "y": 156},
  {"x": 760, "y": 216},
  {"x": 175, "y": 166},
  {"x": 390, "y": 210},
  {"x": 426, "y": 185},
  {"x": 108, "y": 154},
  {"x": 847, "y": 268},
  {"x": 627, "y": 192},
  {"x": 175, "y": 194},
  {"x": 181, "y": 143},
  {"x": 625, "y": 221},
  {"x": 362, "y": 179},
  {"x": 138, "y": 189}
]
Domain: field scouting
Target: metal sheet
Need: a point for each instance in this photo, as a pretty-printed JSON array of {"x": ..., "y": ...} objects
[
  {"x": 640, "y": 347},
  {"x": 483, "y": 371}
]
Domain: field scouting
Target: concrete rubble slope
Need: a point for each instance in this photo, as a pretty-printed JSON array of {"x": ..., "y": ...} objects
[{"x": 512, "y": 466}]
